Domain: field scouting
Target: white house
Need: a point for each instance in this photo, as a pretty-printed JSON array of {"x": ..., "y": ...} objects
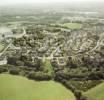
[{"x": 3, "y": 61}]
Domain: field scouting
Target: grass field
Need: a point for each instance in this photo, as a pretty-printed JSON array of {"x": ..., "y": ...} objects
[
  {"x": 96, "y": 93},
  {"x": 20, "y": 88},
  {"x": 48, "y": 67},
  {"x": 1, "y": 47},
  {"x": 72, "y": 25}
]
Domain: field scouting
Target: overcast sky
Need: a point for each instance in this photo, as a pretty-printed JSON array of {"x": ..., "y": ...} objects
[{"x": 3, "y": 2}]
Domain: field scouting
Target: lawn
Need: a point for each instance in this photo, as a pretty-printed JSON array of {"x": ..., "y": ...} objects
[
  {"x": 96, "y": 93},
  {"x": 72, "y": 25},
  {"x": 20, "y": 88}
]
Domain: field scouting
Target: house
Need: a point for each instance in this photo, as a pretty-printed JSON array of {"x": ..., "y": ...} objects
[
  {"x": 3, "y": 60},
  {"x": 61, "y": 61}
]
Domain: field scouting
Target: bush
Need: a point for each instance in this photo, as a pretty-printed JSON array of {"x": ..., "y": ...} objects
[
  {"x": 29, "y": 64},
  {"x": 3, "y": 69},
  {"x": 39, "y": 76},
  {"x": 14, "y": 71},
  {"x": 19, "y": 63},
  {"x": 78, "y": 94},
  {"x": 70, "y": 86},
  {"x": 12, "y": 60},
  {"x": 83, "y": 98},
  {"x": 96, "y": 75}
]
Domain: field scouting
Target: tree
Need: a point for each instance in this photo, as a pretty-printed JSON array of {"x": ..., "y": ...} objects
[
  {"x": 78, "y": 94},
  {"x": 12, "y": 60},
  {"x": 96, "y": 75},
  {"x": 19, "y": 63},
  {"x": 14, "y": 71},
  {"x": 3, "y": 69}
]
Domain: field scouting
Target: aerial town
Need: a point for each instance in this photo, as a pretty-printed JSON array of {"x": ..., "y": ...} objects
[{"x": 61, "y": 45}]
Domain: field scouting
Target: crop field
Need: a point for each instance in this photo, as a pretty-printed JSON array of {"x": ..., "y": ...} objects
[
  {"x": 20, "y": 88},
  {"x": 96, "y": 93}
]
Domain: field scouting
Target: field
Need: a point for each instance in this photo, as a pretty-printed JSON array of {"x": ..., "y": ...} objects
[
  {"x": 72, "y": 25},
  {"x": 1, "y": 47},
  {"x": 20, "y": 88},
  {"x": 48, "y": 67},
  {"x": 96, "y": 93}
]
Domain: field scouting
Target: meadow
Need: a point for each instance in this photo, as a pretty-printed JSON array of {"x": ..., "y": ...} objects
[
  {"x": 20, "y": 88},
  {"x": 96, "y": 93}
]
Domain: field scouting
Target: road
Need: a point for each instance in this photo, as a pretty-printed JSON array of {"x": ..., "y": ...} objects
[{"x": 16, "y": 36}]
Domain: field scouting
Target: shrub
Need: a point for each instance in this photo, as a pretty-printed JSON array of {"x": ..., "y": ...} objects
[
  {"x": 19, "y": 63},
  {"x": 12, "y": 60},
  {"x": 78, "y": 94},
  {"x": 3, "y": 69},
  {"x": 96, "y": 75},
  {"x": 83, "y": 98},
  {"x": 39, "y": 76},
  {"x": 14, "y": 71}
]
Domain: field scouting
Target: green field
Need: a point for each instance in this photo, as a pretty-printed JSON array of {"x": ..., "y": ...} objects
[
  {"x": 48, "y": 67},
  {"x": 1, "y": 47},
  {"x": 96, "y": 93},
  {"x": 20, "y": 88},
  {"x": 72, "y": 25}
]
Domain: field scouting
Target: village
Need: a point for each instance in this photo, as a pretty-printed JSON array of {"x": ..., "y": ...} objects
[
  {"x": 46, "y": 49},
  {"x": 57, "y": 45}
]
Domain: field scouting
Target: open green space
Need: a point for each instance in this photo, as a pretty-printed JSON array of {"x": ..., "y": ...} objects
[
  {"x": 20, "y": 88},
  {"x": 1, "y": 47},
  {"x": 48, "y": 67},
  {"x": 72, "y": 25},
  {"x": 96, "y": 93}
]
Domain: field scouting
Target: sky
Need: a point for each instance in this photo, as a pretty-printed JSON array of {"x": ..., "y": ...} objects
[{"x": 3, "y": 2}]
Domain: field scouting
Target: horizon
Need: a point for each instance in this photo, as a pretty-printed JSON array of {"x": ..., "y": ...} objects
[{"x": 13, "y": 2}]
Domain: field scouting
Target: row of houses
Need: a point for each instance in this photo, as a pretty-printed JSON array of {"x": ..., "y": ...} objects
[{"x": 6, "y": 35}]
